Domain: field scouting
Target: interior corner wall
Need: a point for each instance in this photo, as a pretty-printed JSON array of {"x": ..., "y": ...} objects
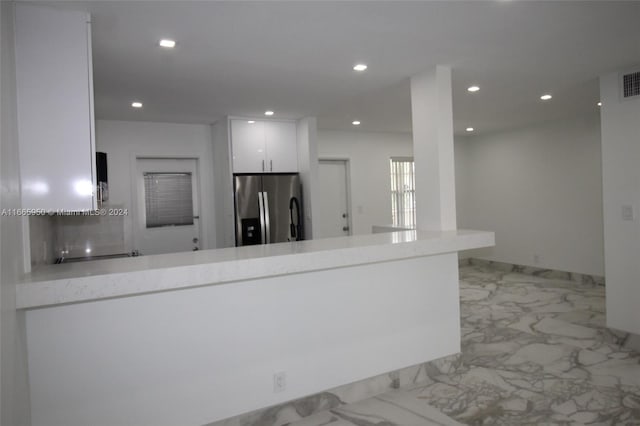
[
  {"x": 368, "y": 154},
  {"x": 540, "y": 189},
  {"x": 14, "y": 404},
  {"x": 125, "y": 140},
  {"x": 621, "y": 187}
]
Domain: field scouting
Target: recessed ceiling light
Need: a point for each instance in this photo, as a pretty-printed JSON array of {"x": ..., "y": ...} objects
[
  {"x": 469, "y": 129},
  {"x": 88, "y": 250},
  {"x": 360, "y": 67},
  {"x": 136, "y": 104},
  {"x": 599, "y": 103},
  {"x": 355, "y": 123},
  {"x": 167, "y": 43},
  {"x": 546, "y": 97},
  {"x": 250, "y": 121},
  {"x": 268, "y": 113},
  {"x": 473, "y": 89}
]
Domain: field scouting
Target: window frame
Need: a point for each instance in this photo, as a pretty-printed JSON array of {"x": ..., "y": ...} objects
[
  {"x": 403, "y": 201},
  {"x": 184, "y": 218}
]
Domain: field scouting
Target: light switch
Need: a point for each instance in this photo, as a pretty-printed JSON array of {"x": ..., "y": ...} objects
[{"x": 628, "y": 212}]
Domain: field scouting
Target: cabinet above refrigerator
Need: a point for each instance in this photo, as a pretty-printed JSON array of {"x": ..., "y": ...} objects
[{"x": 263, "y": 146}]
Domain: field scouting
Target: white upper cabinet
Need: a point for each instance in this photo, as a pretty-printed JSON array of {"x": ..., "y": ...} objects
[
  {"x": 55, "y": 108},
  {"x": 248, "y": 146},
  {"x": 263, "y": 146},
  {"x": 280, "y": 141}
]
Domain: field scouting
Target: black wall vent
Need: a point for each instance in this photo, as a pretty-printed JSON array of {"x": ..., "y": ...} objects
[{"x": 631, "y": 85}]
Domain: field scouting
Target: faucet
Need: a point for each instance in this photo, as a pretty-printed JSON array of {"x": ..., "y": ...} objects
[{"x": 61, "y": 258}]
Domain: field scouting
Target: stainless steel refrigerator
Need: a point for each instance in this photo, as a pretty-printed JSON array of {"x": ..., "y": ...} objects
[{"x": 268, "y": 208}]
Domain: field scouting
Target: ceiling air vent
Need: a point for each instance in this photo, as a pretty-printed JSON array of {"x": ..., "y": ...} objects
[{"x": 631, "y": 84}]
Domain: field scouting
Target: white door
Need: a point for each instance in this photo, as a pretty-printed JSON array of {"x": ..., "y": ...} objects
[
  {"x": 167, "y": 205},
  {"x": 333, "y": 220}
]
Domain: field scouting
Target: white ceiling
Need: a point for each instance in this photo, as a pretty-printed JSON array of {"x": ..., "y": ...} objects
[{"x": 240, "y": 58}]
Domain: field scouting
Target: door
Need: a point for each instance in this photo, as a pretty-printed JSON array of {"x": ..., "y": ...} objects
[
  {"x": 280, "y": 212},
  {"x": 333, "y": 220},
  {"x": 167, "y": 205}
]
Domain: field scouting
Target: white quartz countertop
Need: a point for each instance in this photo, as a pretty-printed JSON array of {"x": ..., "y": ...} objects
[{"x": 104, "y": 279}]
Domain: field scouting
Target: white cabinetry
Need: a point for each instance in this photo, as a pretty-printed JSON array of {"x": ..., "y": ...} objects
[
  {"x": 247, "y": 146},
  {"x": 55, "y": 108},
  {"x": 281, "y": 146},
  {"x": 263, "y": 146}
]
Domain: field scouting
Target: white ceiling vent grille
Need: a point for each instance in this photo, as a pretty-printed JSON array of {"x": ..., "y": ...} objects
[{"x": 631, "y": 84}]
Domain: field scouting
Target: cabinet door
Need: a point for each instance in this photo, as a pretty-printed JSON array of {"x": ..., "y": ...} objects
[
  {"x": 55, "y": 108},
  {"x": 282, "y": 152},
  {"x": 247, "y": 146}
]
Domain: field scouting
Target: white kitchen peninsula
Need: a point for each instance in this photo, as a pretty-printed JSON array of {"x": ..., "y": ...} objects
[{"x": 191, "y": 338}]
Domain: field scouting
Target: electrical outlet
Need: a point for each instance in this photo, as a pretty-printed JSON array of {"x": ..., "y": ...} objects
[
  {"x": 536, "y": 259},
  {"x": 279, "y": 382},
  {"x": 628, "y": 212}
]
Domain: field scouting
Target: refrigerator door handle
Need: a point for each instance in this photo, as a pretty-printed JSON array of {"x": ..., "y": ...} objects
[
  {"x": 262, "y": 222},
  {"x": 266, "y": 217}
]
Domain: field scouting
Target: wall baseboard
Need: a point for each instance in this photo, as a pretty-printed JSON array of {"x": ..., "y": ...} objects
[
  {"x": 282, "y": 414},
  {"x": 537, "y": 272},
  {"x": 632, "y": 341}
]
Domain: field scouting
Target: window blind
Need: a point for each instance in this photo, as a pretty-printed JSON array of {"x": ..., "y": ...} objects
[
  {"x": 168, "y": 199},
  {"x": 403, "y": 192}
]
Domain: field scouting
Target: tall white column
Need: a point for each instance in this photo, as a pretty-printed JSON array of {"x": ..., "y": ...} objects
[
  {"x": 432, "y": 114},
  {"x": 308, "y": 168}
]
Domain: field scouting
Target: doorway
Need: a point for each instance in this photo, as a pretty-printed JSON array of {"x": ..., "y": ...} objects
[
  {"x": 168, "y": 201},
  {"x": 334, "y": 213}
]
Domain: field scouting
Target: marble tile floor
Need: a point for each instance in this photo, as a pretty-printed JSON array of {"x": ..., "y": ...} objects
[{"x": 535, "y": 351}]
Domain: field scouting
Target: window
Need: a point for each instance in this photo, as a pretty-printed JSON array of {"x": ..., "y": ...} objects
[
  {"x": 403, "y": 192},
  {"x": 168, "y": 199}
]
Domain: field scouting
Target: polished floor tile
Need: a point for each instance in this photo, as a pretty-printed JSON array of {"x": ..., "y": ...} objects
[
  {"x": 392, "y": 408},
  {"x": 535, "y": 351}
]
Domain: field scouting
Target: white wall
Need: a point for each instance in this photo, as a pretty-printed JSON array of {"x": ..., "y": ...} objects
[
  {"x": 123, "y": 141},
  {"x": 223, "y": 185},
  {"x": 621, "y": 186},
  {"x": 194, "y": 356},
  {"x": 540, "y": 190},
  {"x": 368, "y": 154},
  {"x": 42, "y": 240},
  {"x": 14, "y": 404}
]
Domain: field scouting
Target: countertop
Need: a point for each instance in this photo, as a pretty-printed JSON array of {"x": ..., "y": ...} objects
[{"x": 103, "y": 279}]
